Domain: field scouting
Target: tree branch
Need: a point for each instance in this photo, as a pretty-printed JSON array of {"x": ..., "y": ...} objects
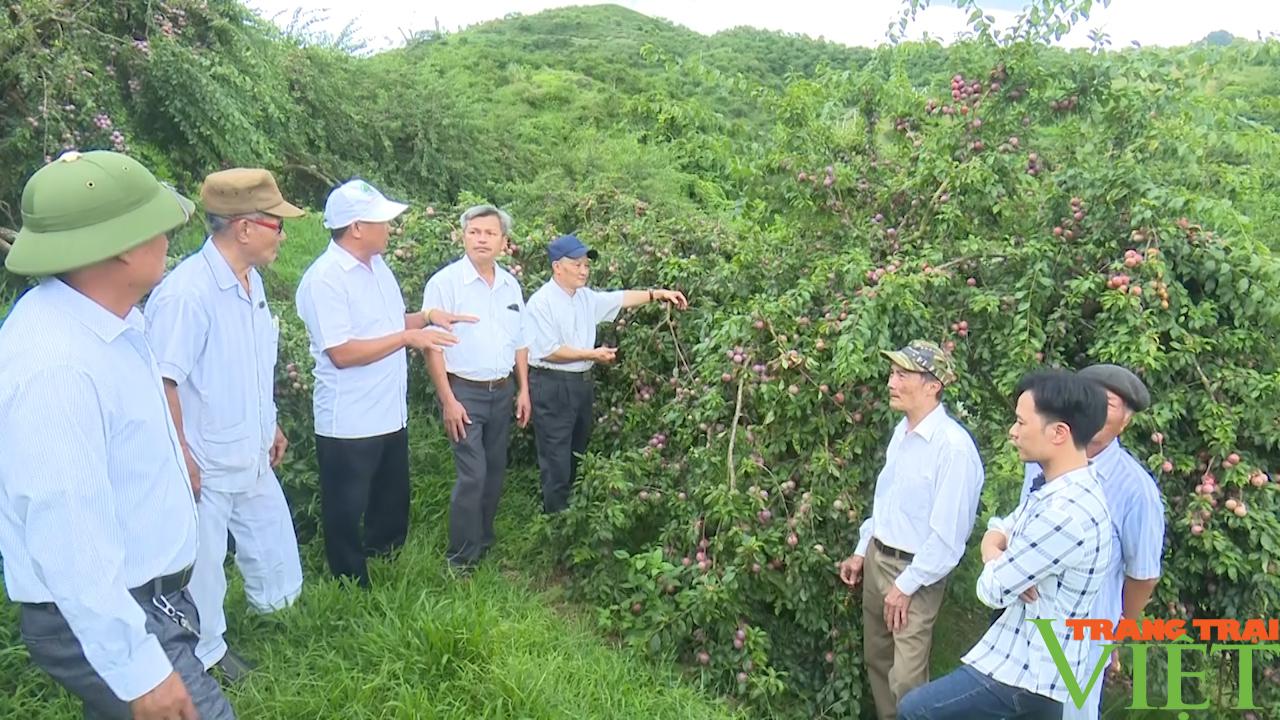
[
  {"x": 733, "y": 436},
  {"x": 313, "y": 172}
]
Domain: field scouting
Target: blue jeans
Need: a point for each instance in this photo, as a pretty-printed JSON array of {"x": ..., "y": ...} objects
[{"x": 967, "y": 694}]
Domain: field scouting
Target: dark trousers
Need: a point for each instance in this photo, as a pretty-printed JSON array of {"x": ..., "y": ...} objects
[
  {"x": 563, "y": 403},
  {"x": 481, "y": 462},
  {"x": 363, "y": 478},
  {"x": 57, "y": 651}
]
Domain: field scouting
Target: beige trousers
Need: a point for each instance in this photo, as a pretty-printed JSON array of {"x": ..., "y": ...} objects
[{"x": 896, "y": 662}]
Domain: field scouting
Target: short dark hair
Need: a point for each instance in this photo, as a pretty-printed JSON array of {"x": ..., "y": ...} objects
[
  {"x": 337, "y": 234},
  {"x": 1062, "y": 396}
]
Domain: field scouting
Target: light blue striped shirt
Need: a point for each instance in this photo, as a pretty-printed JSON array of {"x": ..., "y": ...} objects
[
  {"x": 218, "y": 344},
  {"x": 1137, "y": 523},
  {"x": 94, "y": 494}
]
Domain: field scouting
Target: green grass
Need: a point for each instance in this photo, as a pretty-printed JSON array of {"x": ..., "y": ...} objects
[
  {"x": 504, "y": 643},
  {"x": 421, "y": 644}
]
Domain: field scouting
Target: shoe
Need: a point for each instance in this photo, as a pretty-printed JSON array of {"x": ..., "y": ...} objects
[
  {"x": 233, "y": 668},
  {"x": 460, "y": 570}
]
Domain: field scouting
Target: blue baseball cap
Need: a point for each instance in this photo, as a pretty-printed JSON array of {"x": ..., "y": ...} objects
[{"x": 569, "y": 246}]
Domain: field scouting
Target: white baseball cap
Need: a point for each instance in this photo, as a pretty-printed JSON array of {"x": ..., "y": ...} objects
[{"x": 358, "y": 200}]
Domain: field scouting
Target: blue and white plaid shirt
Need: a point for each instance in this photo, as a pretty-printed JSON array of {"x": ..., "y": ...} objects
[{"x": 1060, "y": 543}]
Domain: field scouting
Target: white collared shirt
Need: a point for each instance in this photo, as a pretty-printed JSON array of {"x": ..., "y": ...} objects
[
  {"x": 486, "y": 350},
  {"x": 926, "y": 499},
  {"x": 556, "y": 319},
  {"x": 94, "y": 493},
  {"x": 218, "y": 343},
  {"x": 1060, "y": 543},
  {"x": 1137, "y": 522},
  {"x": 340, "y": 299}
]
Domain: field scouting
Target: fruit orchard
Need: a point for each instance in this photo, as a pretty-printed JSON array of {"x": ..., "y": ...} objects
[{"x": 1023, "y": 206}]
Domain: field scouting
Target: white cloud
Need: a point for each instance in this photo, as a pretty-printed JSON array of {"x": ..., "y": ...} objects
[{"x": 384, "y": 23}]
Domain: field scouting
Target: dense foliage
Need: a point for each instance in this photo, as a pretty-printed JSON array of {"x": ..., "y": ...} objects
[{"x": 1023, "y": 205}]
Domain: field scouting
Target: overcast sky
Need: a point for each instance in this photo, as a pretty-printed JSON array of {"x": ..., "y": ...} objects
[{"x": 384, "y": 23}]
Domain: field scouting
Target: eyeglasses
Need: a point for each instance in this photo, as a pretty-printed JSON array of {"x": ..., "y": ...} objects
[{"x": 277, "y": 227}]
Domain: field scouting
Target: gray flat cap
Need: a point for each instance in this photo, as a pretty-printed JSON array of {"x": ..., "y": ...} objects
[{"x": 1121, "y": 382}]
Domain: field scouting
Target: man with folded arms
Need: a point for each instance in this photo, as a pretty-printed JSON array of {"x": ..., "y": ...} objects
[
  {"x": 473, "y": 378},
  {"x": 1058, "y": 543},
  {"x": 926, "y": 502},
  {"x": 359, "y": 331},
  {"x": 562, "y": 319},
  {"x": 1137, "y": 516},
  {"x": 98, "y": 525},
  {"x": 216, "y": 343}
]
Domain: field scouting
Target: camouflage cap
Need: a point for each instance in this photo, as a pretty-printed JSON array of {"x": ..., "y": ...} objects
[{"x": 924, "y": 356}]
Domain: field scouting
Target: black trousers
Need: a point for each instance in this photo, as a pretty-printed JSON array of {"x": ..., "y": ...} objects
[
  {"x": 481, "y": 462},
  {"x": 563, "y": 403},
  {"x": 363, "y": 479}
]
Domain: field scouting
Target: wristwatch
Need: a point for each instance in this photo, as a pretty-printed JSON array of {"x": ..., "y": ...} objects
[{"x": 650, "y": 294}]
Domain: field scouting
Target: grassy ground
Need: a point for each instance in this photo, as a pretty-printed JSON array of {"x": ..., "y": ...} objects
[
  {"x": 502, "y": 644},
  {"x": 421, "y": 644}
]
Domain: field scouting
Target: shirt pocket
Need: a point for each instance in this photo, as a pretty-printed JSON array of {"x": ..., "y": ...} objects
[
  {"x": 915, "y": 493},
  {"x": 512, "y": 323}
]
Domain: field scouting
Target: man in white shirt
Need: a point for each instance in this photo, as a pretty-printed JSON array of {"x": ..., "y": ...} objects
[
  {"x": 216, "y": 343},
  {"x": 562, "y": 317},
  {"x": 1137, "y": 517},
  {"x": 1045, "y": 561},
  {"x": 926, "y": 502},
  {"x": 98, "y": 523},
  {"x": 359, "y": 331},
  {"x": 473, "y": 378}
]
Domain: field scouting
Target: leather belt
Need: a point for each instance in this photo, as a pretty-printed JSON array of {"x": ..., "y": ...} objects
[
  {"x": 489, "y": 385},
  {"x": 892, "y": 551},
  {"x": 163, "y": 586},
  {"x": 567, "y": 374},
  {"x": 160, "y": 587}
]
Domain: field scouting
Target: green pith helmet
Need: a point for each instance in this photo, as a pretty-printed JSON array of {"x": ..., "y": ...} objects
[{"x": 84, "y": 208}]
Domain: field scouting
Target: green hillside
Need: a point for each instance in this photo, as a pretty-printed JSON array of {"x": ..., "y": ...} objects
[{"x": 1022, "y": 205}]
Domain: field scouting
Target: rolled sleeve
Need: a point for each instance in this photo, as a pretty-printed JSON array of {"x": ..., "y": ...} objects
[
  {"x": 1047, "y": 540},
  {"x": 433, "y": 295},
  {"x": 524, "y": 339},
  {"x": 957, "y": 487},
  {"x": 66, "y": 508},
  {"x": 865, "y": 533},
  {"x": 606, "y": 304},
  {"x": 177, "y": 328},
  {"x": 1142, "y": 537},
  {"x": 331, "y": 310}
]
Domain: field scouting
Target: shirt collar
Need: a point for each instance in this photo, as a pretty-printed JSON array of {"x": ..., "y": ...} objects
[
  {"x": 1108, "y": 453},
  {"x": 930, "y": 423},
  {"x": 101, "y": 321},
  {"x": 561, "y": 291},
  {"x": 346, "y": 260},
  {"x": 1071, "y": 478},
  {"x": 470, "y": 274},
  {"x": 218, "y": 265}
]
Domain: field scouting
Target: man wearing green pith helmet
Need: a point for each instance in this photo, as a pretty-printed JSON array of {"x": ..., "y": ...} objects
[{"x": 98, "y": 526}]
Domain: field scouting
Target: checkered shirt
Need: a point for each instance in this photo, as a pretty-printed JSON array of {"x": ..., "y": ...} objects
[{"x": 1060, "y": 543}]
